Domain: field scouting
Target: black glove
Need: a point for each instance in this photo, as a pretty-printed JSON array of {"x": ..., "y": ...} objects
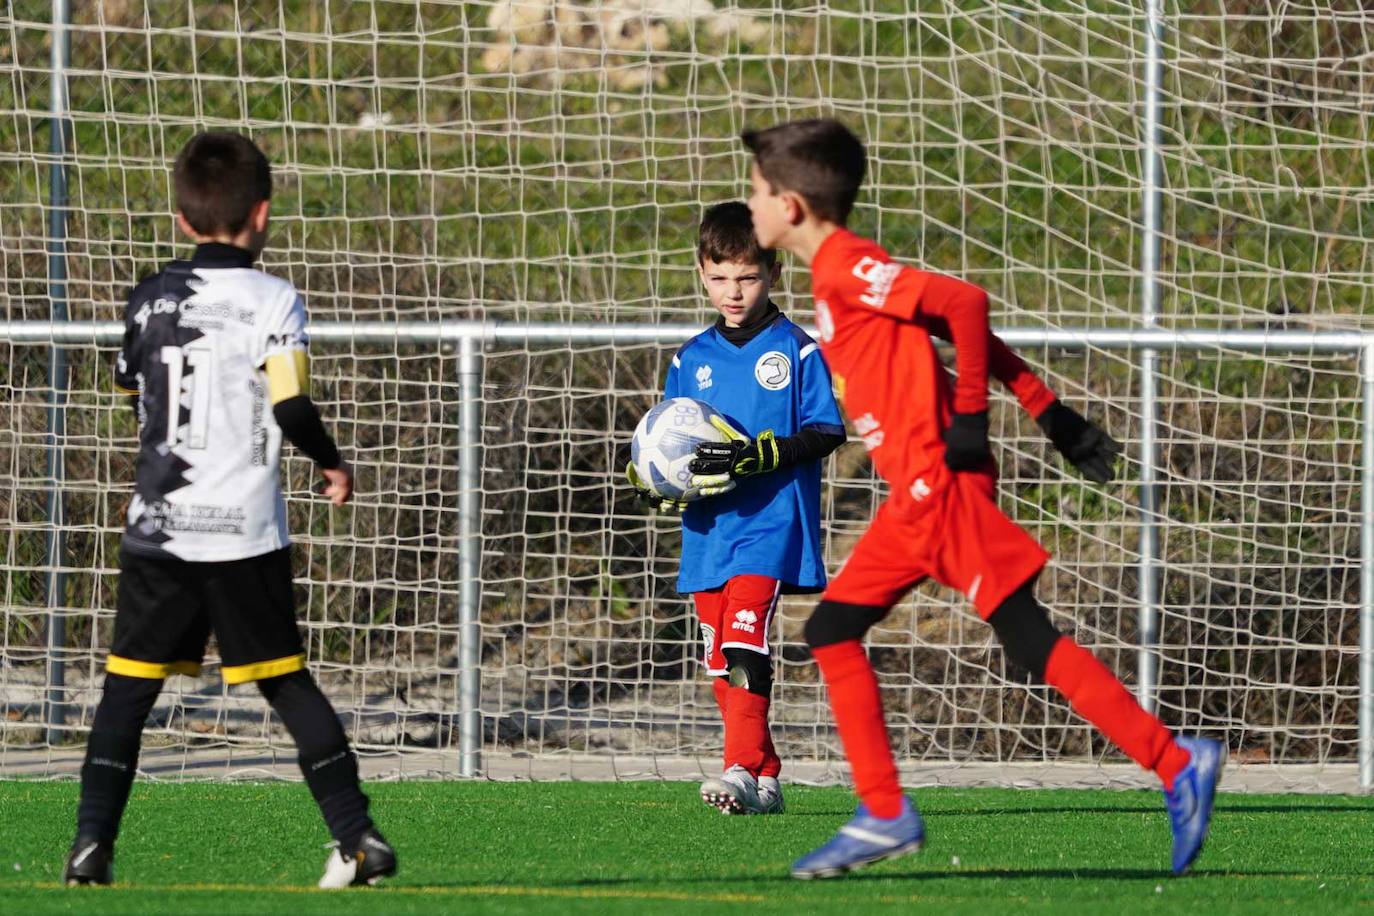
[
  {"x": 966, "y": 442},
  {"x": 738, "y": 456},
  {"x": 1086, "y": 447},
  {"x": 648, "y": 498}
]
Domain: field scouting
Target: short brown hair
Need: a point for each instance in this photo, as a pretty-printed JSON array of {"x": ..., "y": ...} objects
[
  {"x": 219, "y": 179},
  {"x": 727, "y": 234},
  {"x": 820, "y": 159}
]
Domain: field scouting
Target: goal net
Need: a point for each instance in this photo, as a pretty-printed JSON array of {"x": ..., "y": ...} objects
[{"x": 536, "y": 161}]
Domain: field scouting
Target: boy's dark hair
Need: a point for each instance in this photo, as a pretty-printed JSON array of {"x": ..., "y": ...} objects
[
  {"x": 727, "y": 234},
  {"x": 219, "y": 178},
  {"x": 820, "y": 159}
]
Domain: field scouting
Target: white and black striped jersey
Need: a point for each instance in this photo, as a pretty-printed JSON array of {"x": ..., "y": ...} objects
[{"x": 197, "y": 336}]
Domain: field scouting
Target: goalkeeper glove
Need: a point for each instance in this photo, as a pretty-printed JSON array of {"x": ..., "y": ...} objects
[
  {"x": 1086, "y": 446},
  {"x": 966, "y": 441},
  {"x": 720, "y": 463},
  {"x": 648, "y": 498}
]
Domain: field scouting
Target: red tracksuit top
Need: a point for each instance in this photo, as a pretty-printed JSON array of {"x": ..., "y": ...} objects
[{"x": 875, "y": 318}]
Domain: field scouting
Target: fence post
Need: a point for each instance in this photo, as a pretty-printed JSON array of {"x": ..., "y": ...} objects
[
  {"x": 1366, "y": 749},
  {"x": 56, "y": 585},
  {"x": 470, "y": 554}
]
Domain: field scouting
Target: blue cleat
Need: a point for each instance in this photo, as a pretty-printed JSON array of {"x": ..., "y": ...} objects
[
  {"x": 1190, "y": 801},
  {"x": 864, "y": 840}
]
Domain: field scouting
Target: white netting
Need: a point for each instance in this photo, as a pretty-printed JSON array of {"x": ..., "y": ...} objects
[{"x": 543, "y": 162}]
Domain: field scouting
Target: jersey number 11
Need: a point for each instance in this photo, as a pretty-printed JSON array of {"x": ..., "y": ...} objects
[{"x": 201, "y": 361}]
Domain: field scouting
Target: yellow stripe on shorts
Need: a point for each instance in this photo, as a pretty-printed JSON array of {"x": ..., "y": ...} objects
[
  {"x": 242, "y": 674},
  {"x": 129, "y": 667}
]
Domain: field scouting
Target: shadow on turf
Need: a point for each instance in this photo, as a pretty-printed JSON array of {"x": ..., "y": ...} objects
[
  {"x": 1223, "y": 804},
  {"x": 1013, "y": 874},
  {"x": 975, "y": 874},
  {"x": 1003, "y": 812}
]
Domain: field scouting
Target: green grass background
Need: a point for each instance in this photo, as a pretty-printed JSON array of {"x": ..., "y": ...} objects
[{"x": 652, "y": 847}]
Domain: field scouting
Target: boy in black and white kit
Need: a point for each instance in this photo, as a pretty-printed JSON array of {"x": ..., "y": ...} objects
[{"x": 215, "y": 353}]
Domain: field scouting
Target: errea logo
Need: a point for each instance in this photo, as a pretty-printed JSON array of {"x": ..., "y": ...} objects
[
  {"x": 703, "y": 377},
  {"x": 745, "y": 620},
  {"x": 870, "y": 430}
]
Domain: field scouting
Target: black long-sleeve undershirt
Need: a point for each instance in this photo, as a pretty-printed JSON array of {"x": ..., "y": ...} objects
[
  {"x": 300, "y": 422},
  {"x": 811, "y": 444}
]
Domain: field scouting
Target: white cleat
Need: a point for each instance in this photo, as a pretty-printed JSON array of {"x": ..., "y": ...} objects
[
  {"x": 770, "y": 795},
  {"x": 736, "y": 791},
  {"x": 338, "y": 871},
  {"x": 373, "y": 860}
]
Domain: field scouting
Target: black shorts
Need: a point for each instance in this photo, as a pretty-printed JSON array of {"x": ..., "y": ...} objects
[{"x": 168, "y": 607}]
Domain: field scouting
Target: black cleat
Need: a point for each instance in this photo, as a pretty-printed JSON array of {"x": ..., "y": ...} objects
[
  {"x": 373, "y": 860},
  {"x": 91, "y": 861}
]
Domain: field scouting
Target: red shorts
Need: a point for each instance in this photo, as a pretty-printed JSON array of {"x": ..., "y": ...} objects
[
  {"x": 736, "y": 615},
  {"x": 955, "y": 535}
]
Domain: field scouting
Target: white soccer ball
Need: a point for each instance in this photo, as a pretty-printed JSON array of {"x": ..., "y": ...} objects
[{"x": 665, "y": 442}]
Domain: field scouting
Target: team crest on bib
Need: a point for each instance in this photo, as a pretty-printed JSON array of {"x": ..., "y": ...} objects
[
  {"x": 708, "y": 641},
  {"x": 773, "y": 370},
  {"x": 825, "y": 322}
]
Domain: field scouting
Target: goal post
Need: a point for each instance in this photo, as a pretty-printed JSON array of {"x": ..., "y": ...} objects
[{"x": 618, "y": 705}]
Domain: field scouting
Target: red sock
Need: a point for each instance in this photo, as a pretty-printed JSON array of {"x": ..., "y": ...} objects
[
  {"x": 772, "y": 763},
  {"x": 721, "y": 687},
  {"x": 857, "y": 707},
  {"x": 1098, "y": 696},
  {"x": 746, "y": 730}
]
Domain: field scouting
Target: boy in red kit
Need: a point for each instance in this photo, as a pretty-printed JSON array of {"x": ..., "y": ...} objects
[{"x": 928, "y": 437}]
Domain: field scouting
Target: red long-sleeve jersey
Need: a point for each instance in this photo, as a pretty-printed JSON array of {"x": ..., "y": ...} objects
[{"x": 876, "y": 318}]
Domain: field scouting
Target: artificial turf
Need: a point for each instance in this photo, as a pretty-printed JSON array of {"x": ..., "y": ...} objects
[{"x": 608, "y": 848}]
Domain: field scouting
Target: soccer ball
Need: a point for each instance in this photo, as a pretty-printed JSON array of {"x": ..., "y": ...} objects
[{"x": 665, "y": 443}]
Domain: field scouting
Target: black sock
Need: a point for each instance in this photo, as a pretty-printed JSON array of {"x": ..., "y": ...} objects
[
  {"x": 333, "y": 781},
  {"x": 330, "y": 769},
  {"x": 112, "y": 754}
]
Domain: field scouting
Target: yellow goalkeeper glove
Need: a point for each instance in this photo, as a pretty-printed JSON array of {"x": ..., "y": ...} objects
[
  {"x": 649, "y": 498},
  {"x": 719, "y": 463}
]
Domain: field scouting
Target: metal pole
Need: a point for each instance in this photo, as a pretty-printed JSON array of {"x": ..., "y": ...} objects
[
  {"x": 470, "y": 556},
  {"x": 1148, "y": 659},
  {"x": 423, "y": 333},
  {"x": 1366, "y": 750},
  {"x": 56, "y": 713}
]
